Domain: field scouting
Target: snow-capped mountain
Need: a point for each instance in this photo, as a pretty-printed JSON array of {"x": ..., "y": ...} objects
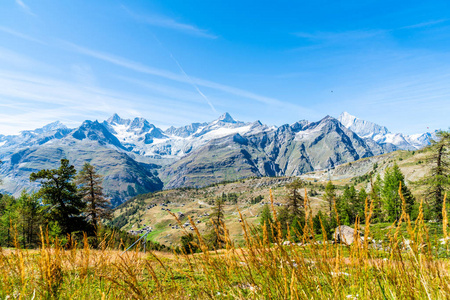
[
  {"x": 382, "y": 135},
  {"x": 145, "y": 139},
  {"x": 364, "y": 129},
  {"x": 29, "y": 138}
]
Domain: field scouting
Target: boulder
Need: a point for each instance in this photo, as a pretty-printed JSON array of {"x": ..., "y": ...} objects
[{"x": 346, "y": 235}]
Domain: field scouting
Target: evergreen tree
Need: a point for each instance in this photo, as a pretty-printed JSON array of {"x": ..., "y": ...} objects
[
  {"x": 295, "y": 201},
  {"x": 216, "y": 236},
  {"x": 60, "y": 194},
  {"x": 266, "y": 222},
  {"x": 361, "y": 203},
  {"x": 330, "y": 197},
  {"x": 345, "y": 205},
  {"x": 375, "y": 197},
  {"x": 322, "y": 219},
  {"x": 296, "y": 226},
  {"x": 91, "y": 191},
  {"x": 391, "y": 199},
  {"x": 284, "y": 218},
  {"x": 9, "y": 215},
  {"x": 31, "y": 218},
  {"x": 437, "y": 182},
  {"x": 188, "y": 243}
]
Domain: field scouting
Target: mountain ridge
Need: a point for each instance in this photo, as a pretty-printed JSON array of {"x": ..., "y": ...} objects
[{"x": 193, "y": 155}]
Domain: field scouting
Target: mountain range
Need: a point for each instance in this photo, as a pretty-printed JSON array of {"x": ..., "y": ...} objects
[{"x": 137, "y": 157}]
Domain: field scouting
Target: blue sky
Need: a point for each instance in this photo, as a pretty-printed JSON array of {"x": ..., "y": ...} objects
[{"x": 177, "y": 62}]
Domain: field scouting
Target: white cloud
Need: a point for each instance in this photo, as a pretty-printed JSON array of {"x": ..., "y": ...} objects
[
  {"x": 25, "y": 7},
  {"x": 164, "y": 22}
]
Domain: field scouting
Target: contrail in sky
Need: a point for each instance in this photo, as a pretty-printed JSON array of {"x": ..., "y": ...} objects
[{"x": 185, "y": 74}]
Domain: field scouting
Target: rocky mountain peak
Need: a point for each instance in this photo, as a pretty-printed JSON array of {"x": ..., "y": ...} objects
[
  {"x": 362, "y": 128},
  {"x": 53, "y": 126},
  {"x": 47, "y": 128},
  {"x": 115, "y": 119},
  {"x": 141, "y": 123},
  {"x": 226, "y": 118}
]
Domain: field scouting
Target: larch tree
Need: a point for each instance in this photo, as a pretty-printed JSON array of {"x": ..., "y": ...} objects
[
  {"x": 295, "y": 207},
  {"x": 216, "y": 236},
  {"x": 90, "y": 188},
  {"x": 295, "y": 200}
]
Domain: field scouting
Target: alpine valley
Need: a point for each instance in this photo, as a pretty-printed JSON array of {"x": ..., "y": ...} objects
[{"x": 137, "y": 157}]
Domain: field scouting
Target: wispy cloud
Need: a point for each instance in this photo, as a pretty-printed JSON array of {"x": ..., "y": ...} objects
[
  {"x": 25, "y": 7},
  {"x": 343, "y": 36},
  {"x": 362, "y": 34},
  {"x": 138, "y": 67},
  {"x": 165, "y": 22},
  {"x": 424, "y": 24},
  {"x": 21, "y": 35}
]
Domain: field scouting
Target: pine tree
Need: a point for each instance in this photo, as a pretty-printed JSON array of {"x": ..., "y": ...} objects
[
  {"x": 390, "y": 197},
  {"x": 91, "y": 191},
  {"x": 60, "y": 194},
  {"x": 330, "y": 197},
  {"x": 437, "y": 182}
]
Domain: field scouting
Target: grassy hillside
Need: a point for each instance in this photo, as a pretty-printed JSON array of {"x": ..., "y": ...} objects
[{"x": 197, "y": 203}]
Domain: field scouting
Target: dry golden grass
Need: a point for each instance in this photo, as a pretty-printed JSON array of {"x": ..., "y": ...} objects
[{"x": 260, "y": 270}]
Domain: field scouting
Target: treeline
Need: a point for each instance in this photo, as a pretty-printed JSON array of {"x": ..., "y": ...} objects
[{"x": 68, "y": 205}]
